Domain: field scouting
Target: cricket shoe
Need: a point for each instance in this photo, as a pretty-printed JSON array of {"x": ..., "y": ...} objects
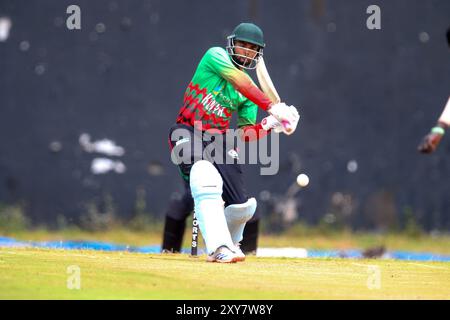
[
  {"x": 223, "y": 255},
  {"x": 240, "y": 255}
]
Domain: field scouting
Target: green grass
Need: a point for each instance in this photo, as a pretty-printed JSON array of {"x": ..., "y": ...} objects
[{"x": 42, "y": 274}]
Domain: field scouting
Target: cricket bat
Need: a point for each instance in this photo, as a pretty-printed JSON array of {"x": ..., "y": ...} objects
[
  {"x": 194, "y": 242},
  {"x": 269, "y": 89}
]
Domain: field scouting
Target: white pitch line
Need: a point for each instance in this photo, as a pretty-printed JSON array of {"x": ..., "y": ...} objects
[
  {"x": 8, "y": 252},
  {"x": 411, "y": 263},
  {"x": 361, "y": 265},
  {"x": 427, "y": 266}
]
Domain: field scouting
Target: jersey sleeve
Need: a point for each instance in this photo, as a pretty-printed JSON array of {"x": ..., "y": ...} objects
[
  {"x": 217, "y": 60},
  {"x": 247, "y": 113},
  {"x": 251, "y": 131}
]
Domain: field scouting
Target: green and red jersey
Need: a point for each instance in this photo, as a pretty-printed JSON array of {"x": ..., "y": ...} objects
[{"x": 217, "y": 90}]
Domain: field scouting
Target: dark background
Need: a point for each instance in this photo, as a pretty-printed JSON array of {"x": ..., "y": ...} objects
[{"x": 364, "y": 95}]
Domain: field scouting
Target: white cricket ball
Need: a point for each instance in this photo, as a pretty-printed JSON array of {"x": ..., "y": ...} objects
[{"x": 302, "y": 180}]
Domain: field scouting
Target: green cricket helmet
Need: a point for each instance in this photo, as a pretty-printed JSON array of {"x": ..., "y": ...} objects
[{"x": 247, "y": 32}]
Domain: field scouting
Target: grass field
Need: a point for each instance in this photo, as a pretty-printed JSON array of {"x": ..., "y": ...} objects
[{"x": 43, "y": 274}]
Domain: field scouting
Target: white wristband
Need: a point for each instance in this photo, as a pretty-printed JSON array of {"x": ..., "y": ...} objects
[{"x": 269, "y": 122}]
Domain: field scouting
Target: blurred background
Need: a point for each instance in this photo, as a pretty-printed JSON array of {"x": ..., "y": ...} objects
[{"x": 84, "y": 114}]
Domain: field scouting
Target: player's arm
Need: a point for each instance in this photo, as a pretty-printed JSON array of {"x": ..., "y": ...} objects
[
  {"x": 431, "y": 141},
  {"x": 219, "y": 62},
  {"x": 249, "y": 129},
  {"x": 260, "y": 130}
]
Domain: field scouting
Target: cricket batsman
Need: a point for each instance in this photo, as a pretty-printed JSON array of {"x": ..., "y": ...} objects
[{"x": 219, "y": 88}]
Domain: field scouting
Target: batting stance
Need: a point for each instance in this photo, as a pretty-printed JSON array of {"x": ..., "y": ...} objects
[{"x": 219, "y": 87}]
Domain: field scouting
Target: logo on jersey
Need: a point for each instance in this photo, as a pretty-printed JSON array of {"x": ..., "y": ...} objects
[
  {"x": 217, "y": 92},
  {"x": 212, "y": 105}
]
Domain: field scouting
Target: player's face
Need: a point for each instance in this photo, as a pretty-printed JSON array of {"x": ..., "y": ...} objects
[{"x": 245, "y": 49}]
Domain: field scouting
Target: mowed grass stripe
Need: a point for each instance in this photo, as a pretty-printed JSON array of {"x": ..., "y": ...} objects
[{"x": 42, "y": 274}]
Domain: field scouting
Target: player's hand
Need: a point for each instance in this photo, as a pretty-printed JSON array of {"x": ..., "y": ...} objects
[
  {"x": 280, "y": 111},
  {"x": 293, "y": 124},
  {"x": 287, "y": 115},
  {"x": 271, "y": 122},
  {"x": 296, "y": 118},
  {"x": 431, "y": 141}
]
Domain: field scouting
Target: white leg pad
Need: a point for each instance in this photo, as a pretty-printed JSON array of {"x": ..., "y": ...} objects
[
  {"x": 237, "y": 216},
  {"x": 206, "y": 187}
]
